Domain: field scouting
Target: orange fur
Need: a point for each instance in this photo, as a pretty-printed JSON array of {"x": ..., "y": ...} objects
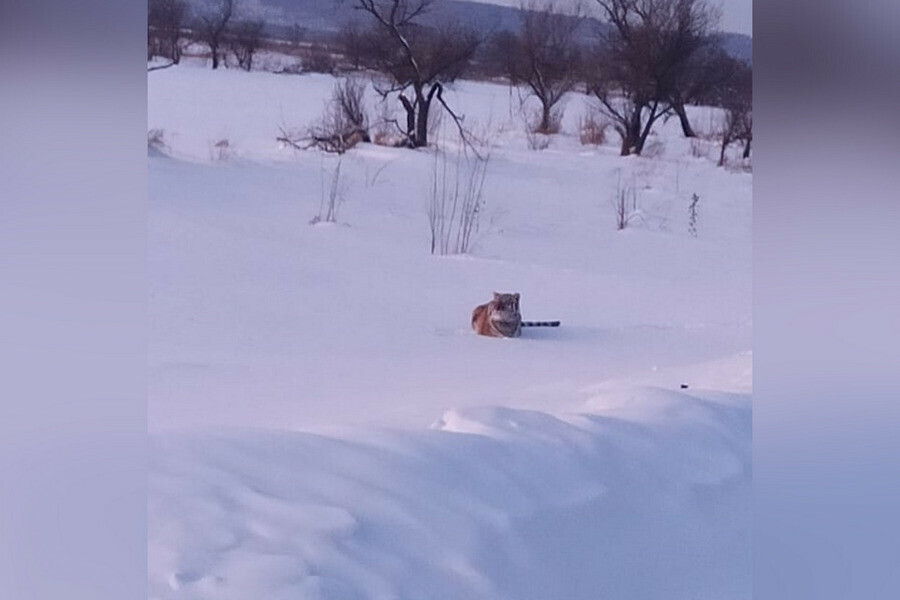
[{"x": 481, "y": 321}]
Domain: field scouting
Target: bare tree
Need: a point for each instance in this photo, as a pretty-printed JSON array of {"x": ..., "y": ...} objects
[
  {"x": 592, "y": 129},
  {"x": 493, "y": 58},
  {"x": 738, "y": 122},
  {"x": 165, "y": 21},
  {"x": 544, "y": 57},
  {"x": 244, "y": 39},
  {"x": 297, "y": 35},
  {"x": 747, "y": 133},
  {"x": 638, "y": 75},
  {"x": 417, "y": 60},
  {"x": 353, "y": 43},
  {"x": 732, "y": 125},
  {"x": 744, "y": 88},
  {"x": 701, "y": 79},
  {"x": 212, "y": 28}
]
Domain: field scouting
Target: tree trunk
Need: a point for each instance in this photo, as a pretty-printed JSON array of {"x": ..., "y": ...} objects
[
  {"x": 631, "y": 140},
  {"x": 642, "y": 139},
  {"x": 422, "y": 122},
  {"x": 642, "y": 135},
  {"x": 545, "y": 118},
  {"x": 686, "y": 128},
  {"x": 725, "y": 142},
  {"x": 410, "y": 120},
  {"x": 214, "y": 48},
  {"x": 747, "y": 147},
  {"x": 423, "y": 104}
]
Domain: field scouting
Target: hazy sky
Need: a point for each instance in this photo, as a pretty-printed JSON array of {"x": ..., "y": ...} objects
[{"x": 737, "y": 15}]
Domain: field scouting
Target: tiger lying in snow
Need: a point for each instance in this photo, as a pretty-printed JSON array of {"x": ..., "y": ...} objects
[{"x": 501, "y": 317}]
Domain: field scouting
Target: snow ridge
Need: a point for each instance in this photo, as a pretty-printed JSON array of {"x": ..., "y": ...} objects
[{"x": 491, "y": 502}]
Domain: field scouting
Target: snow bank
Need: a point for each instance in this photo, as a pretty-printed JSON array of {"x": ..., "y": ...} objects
[
  {"x": 492, "y": 502},
  {"x": 294, "y": 371}
]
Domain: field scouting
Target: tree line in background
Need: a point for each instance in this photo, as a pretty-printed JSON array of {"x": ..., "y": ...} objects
[
  {"x": 170, "y": 26},
  {"x": 650, "y": 60}
]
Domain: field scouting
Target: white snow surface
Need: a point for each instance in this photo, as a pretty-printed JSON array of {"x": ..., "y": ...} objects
[{"x": 323, "y": 422}]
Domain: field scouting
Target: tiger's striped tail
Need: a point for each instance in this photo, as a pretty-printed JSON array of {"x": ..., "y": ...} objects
[{"x": 540, "y": 323}]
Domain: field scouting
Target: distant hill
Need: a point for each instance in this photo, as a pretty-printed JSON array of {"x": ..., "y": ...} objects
[
  {"x": 738, "y": 45},
  {"x": 327, "y": 16}
]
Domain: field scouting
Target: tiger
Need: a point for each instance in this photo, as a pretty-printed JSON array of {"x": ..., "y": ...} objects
[{"x": 501, "y": 317}]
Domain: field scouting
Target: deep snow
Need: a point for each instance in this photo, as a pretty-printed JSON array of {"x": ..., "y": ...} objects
[{"x": 325, "y": 425}]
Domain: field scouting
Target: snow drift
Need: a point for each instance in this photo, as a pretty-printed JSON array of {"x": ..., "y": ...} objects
[{"x": 325, "y": 425}]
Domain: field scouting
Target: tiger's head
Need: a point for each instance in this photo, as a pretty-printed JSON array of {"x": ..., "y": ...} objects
[{"x": 505, "y": 308}]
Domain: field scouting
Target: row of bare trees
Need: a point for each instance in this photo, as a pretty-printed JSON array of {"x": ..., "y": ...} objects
[
  {"x": 170, "y": 26},
  {"x": 650, "y": 60},
  {"x": 166, "y": 20}
]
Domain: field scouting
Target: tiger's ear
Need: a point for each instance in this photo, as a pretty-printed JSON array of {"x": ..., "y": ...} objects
[{"x": 496, "y": 295}]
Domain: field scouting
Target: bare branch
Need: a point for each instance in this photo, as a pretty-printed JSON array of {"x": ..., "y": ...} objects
[{"x": 158, "y": 67}]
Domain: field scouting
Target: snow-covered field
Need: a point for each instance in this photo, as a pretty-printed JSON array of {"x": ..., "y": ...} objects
[{"x": 324, "y": 424}]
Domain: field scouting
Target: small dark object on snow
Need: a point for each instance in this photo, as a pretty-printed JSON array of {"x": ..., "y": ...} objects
[{"x": 684, "y": 386}]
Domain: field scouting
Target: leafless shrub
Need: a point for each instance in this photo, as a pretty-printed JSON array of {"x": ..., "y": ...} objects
[
  {"x": 699, "y": 148},
  {"x": 654, "y": 148},
  {"x": 244, "y": 40},
  {"x": 220, "y": 151},
  {"x": 349, "y": 97},
  {"x": 692, "y": 215},
  {"x": 344, "y": 124},
  {"x": 624, "y": 204},
  {"x": 457, "y": 200},
  {"x": 546, "y": 124},
  {"x": 330, "y": 201},
  {"x": 155, "y": 139},
  {"x": 592, "y": 130},
  {"x": 320, "y": 60},
  {"x": 537, "y": 139}
]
